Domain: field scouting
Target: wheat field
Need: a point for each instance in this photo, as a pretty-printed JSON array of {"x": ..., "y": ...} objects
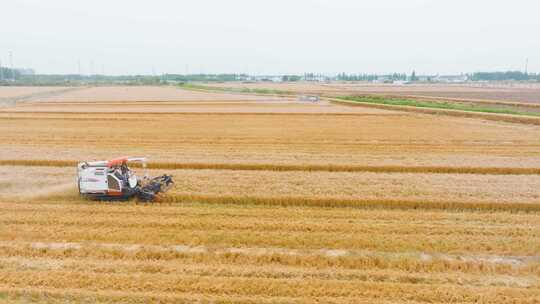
[{"x": 275, "y": 201}]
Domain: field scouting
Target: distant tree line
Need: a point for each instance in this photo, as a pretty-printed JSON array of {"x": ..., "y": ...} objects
[
  {"x": 75, "y": 79},
  {"x": 505, "y": 76},
  {"x": 7, "y": 73},
  {"x": 288, "y": 78}
]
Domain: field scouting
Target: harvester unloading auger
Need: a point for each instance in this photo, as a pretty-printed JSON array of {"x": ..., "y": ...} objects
[{"x": 114, "y": 180}]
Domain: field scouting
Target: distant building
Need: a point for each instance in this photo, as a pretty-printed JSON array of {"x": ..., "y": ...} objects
[
  {"x": 383, "y": 79},
  {"x": 316, "y": 78},
  {"x": 451, "y": 78},
  {"x": 26, "y": 72},
  {"x": 425, "y": 78},
  {"x": 401, "y": 82},
  {"x": 265, "y": 78},
  {"x": 442, "y": 78}
]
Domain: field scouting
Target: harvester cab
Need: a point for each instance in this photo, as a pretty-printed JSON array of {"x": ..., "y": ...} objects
[{"x": 114, "y": 180}]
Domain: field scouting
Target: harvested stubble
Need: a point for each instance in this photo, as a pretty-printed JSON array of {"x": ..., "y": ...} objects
[
  {"x": 521, "y": 93},
  {"x": 143, "y": 93},
  {"x": 271, "y": 107},
  {"x": 238, "y": 253},
  {"x": 10, "y": 92},
  {"x": 490, "y": 110},
  {"x": 497, "y": 233}
]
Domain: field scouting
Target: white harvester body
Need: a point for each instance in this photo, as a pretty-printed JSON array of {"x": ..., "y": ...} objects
[{"x": 113, "y": 179}]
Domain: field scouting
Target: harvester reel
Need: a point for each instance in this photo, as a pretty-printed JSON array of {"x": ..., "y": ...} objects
[{"x": 155, "y": 186}]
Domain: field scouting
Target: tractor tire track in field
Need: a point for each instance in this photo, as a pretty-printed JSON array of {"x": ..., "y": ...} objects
[
  {"x": 292, "y": 167},
  {"x": 241, "y": 273},
  {"x": 232, "y": 270},
  {"x": 516, "y": 261}
]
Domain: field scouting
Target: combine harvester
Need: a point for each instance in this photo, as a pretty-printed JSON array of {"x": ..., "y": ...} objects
[{"x": 114, "y": 180}]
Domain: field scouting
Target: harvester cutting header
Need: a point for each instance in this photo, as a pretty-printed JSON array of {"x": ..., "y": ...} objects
[{"x": 114, "y": 180}]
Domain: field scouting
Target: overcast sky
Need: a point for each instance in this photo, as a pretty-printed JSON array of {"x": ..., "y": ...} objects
[{"x": 271, "y": 37}]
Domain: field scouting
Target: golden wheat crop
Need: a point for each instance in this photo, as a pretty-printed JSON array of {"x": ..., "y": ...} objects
[
  {"x": 292, "y": 167},
  {"x": 293, "y": 140}
]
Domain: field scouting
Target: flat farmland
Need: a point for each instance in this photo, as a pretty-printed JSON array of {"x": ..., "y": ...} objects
[
  {"x": 8, "y": 92},
  {"x": 275, "y": 201},
  {"x": 145, "y": 93},
  {"x": 264, "y": 134},
  {"x": 10, "y": 95},
  {"x": 503, "y": 92},
  {"x": 180, "y": 107}
]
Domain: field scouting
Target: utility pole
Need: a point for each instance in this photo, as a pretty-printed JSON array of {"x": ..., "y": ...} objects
[{"x": 527, "y": 66}]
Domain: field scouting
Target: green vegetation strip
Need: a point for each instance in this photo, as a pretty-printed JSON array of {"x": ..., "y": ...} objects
[
  {"x": 471, "y": 107},
  {"x": 467, "y": 107}
]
